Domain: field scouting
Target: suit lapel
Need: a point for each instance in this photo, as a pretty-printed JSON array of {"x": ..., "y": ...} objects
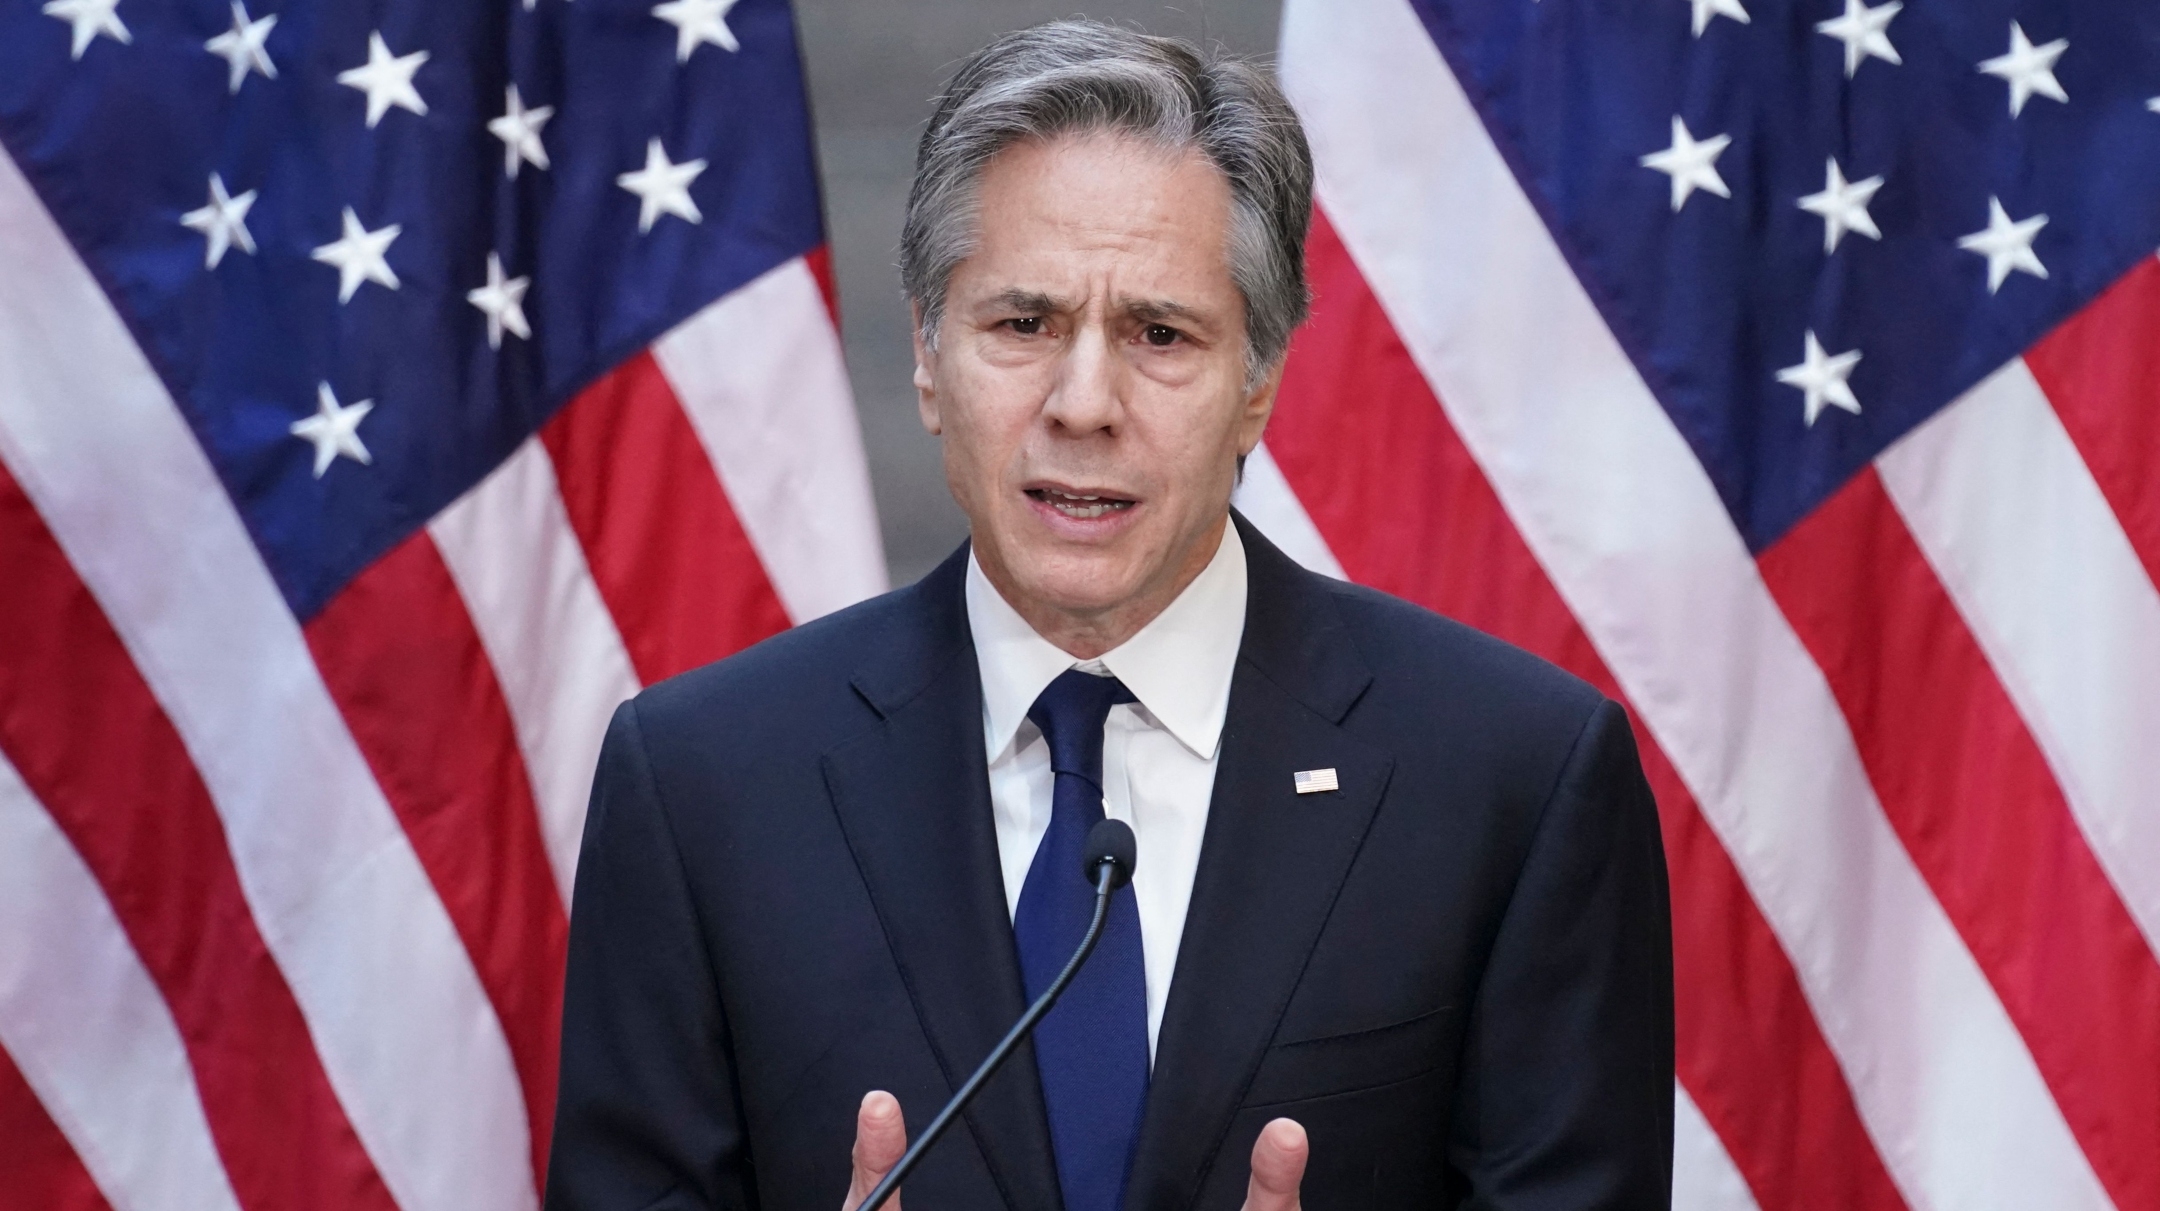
[
  {"x": 913, "y": 797},
  {"x": 1270, "y": 867}
]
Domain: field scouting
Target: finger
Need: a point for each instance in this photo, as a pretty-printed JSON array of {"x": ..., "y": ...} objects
[
  {"x": 1278, "y": 1167},
  {"x": 880, "y": 1138}
]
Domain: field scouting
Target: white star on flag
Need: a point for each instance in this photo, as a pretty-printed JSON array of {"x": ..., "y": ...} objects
[
  {"x": 2028, "y": 69},
  {"x": 1822, "y": 379},
  {"x": 243, "y": 47},
  {"x": 519, "y": 130},
  {"x": 223, "y": 222},
  {"x": 2006, "y": 245},
  {"x": 1865, "y": 33},
  {"x": 358, "y": 255},
  {"x": 2153, "y": 105},
  {"x": 662, "y": 187},
  {"x": 1842, "y": 206},
  {"x": 387, "y": 79},
  {"x": 1706, "y": 9},
  {"x": 334, "y": 429},
  {"x": 697, "y": 22},
  {"x": 1692, "y": 165},
  {"x": 88, "y": 19},
  {"x": 503, "y": 300}
]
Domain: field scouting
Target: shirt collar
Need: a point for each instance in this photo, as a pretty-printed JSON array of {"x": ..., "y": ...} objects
[{"x": 1178, "y": 665}]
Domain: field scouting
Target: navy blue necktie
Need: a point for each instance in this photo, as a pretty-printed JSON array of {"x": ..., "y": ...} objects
[{"x": 1091, "y": 1051}]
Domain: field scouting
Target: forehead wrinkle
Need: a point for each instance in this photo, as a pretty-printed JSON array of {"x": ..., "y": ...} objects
[
  {"x": 1145, "y": 309},
  {"x": 1035, "y": 301}
]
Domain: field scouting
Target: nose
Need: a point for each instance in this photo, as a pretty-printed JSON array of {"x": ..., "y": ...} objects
[{"x": 1087, "y": 395}]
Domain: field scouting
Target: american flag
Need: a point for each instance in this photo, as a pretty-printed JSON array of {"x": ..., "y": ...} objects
[
  {"x": 1791, "y": 370},
  {"x": 387, "y": 390}
]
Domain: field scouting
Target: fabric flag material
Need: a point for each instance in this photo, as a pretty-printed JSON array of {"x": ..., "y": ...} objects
[
  {"x": 387, "y": 391},
  {"x": 1790, "y": 369}
]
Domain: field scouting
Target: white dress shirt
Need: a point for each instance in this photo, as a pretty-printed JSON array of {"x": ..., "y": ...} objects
[{"x": 1158, "y": 754}]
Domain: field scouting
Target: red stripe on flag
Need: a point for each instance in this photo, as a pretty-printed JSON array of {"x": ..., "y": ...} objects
[
  {"x": 819, "y": 260},
  {"x": 2101, "y": 370},
  {"x": 1742, "y": 1017},
  {"x": 38, "y": 1168},
  {"x": 1362, "y": 440},
  {"x": 70, "y": 699},
  {"x": 1970, "y": 794},
  {"x": 407, "y": 669},
  {"x": 670, "y": 558}
]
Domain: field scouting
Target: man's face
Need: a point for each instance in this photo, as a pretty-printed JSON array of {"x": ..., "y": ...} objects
[{"x": 1089, "y": 381}]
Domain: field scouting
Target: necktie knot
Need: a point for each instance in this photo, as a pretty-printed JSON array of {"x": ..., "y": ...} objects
[{"x": 1071, "y": 712}]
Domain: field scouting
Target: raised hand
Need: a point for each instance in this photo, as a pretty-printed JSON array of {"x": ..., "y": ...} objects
[
  {"x": 1278, "y": 1167},
  {"x": 880, "y": 1139}
]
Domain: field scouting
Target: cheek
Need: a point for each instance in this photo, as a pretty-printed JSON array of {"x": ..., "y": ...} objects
[
  {"x": 985, "y": 424},
  {"x": 1192, "y": 447}
]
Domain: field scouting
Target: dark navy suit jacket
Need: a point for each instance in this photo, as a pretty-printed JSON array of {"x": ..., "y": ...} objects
[{"x": 1455, "y": 971}]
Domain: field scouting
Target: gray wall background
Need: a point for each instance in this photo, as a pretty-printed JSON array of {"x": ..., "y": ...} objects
[{"x": 874, "y": 66}]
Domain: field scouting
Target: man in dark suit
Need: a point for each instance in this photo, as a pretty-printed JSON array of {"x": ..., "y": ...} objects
[{"x": 1398, "y": 935}]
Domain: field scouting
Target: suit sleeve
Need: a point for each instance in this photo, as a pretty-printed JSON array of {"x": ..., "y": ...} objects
[
  {"x": 1566, "y": 1097},
  {"x": 646, "y": 1117}
]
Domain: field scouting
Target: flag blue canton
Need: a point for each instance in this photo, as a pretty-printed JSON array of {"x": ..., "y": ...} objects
[
  {"x": 121, "y": 114},
  {"x": 1683, "y": 162}
]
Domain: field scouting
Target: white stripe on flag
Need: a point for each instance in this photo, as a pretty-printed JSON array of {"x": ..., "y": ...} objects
[
  {"x": 1624, "y": 520},
  {"x": 1266, "y": 501},
  {"x": 89, "y": 1029},
  {"x": 1704, "y": 1177},
  {"x": 407, "y": 1036},
  {"x": 760, "y": 375},
  {"x": 557, "y": 654},
  {"x": 2008, "y": 513}
]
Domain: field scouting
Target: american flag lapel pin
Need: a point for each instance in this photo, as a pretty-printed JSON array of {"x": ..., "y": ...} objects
[{"x": 1314, "y": 781}]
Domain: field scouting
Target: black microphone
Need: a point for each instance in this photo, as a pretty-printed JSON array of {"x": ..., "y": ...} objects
[{"x": 1108, "y": 865}]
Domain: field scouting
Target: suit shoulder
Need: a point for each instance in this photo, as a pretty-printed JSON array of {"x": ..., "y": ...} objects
[
  {"x": 802, "y": 672},
  {"x": 1410, "y": 646}
]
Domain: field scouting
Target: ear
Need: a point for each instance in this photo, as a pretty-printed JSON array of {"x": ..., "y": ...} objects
[
  {"x": 1258, "y": 406},
  {"x": 926, "y": 400}
]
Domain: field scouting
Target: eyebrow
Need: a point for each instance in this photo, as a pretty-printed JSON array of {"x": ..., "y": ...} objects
[
  {"x": 1035, "y": 302},
  {"x": 1159, "y": 310}
]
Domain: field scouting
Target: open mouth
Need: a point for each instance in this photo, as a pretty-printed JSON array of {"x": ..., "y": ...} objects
[{"x": 1078, "y": 506}]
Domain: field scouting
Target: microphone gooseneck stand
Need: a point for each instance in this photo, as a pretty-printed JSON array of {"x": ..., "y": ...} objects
[{"x": 1110, "y": 847}]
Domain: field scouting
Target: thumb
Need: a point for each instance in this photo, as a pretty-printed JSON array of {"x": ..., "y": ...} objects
[
  {"x": 1278, "y": 1167},
  {"x": 880, "y": 1139}
]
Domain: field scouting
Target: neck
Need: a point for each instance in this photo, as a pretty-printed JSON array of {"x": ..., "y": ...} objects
[{"x": 1085, "y": 635}]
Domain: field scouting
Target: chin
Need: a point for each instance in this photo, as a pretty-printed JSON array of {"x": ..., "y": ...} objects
[{"x": 1078, "y": 583}]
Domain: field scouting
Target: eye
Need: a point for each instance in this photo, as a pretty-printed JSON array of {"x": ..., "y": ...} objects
[
  {"x": 1027, "y": 325},
  {"x": 1160, "y": 335}
]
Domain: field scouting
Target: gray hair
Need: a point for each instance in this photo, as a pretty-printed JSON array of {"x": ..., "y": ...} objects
[{"x": 1080, "y": 76}]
